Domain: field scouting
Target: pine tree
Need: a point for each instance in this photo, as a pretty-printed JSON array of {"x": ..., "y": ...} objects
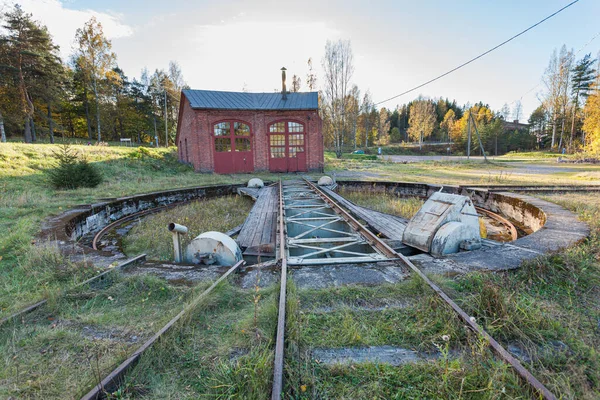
[
  {"x": 582, "y": 82},
  {"x": 31, "y": 59}
]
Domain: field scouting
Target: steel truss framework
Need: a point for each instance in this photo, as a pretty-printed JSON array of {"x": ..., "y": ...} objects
[{"x": 316, "y": 235}]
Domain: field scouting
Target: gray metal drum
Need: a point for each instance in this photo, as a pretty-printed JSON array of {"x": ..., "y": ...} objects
[{"x": 213, "y": 248}]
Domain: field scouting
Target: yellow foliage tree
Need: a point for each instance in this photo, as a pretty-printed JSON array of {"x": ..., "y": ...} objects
[{"x": 591, "y": 124}]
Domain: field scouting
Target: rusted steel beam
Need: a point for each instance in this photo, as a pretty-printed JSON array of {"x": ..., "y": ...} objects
[
  {"x": 513, "y": 231},
  {"x": 40, "y": 303},
  {"x": 497, "y": 347},
  {"x": 113, "y": 380},
  {"x": 280, "y": 338}
]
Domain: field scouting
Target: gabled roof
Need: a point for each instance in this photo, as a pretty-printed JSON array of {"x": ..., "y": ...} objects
[{"x": 211, "y": 99}]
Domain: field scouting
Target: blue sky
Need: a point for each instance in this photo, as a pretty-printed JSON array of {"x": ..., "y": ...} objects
[{"x": 230, "y": 45}]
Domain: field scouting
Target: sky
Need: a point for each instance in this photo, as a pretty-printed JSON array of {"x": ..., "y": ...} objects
[{"x": 242, "y": 45}]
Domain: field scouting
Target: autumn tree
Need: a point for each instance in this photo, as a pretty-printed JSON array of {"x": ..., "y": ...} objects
[
  {"x": 164, "y": 90},
  {"x": 538, "y": 123},
  {"x": 383, "y": 127},
  {"x": 448, "y": 123},
  {"x": 584, "y": 75},
  {"x": 367, "y": 121},
  {"x": 95, "y": 59},
  {"x": 591, "y": 124},
  {"x": 338, "y": 64},
  {"x": 556, "y": 80},
  {"x": 422, "y": 120}
]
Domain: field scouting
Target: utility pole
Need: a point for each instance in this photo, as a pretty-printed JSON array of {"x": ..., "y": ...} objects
[
  {"x": 469, "y": 137},
  {"x": 478, "y": 137},
  {"x": 166, "y": 131}
]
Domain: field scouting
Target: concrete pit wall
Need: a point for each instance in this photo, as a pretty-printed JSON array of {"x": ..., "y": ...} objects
[
  {"x": 551, "y": 226},
  {"x": 76, "y": 223}
]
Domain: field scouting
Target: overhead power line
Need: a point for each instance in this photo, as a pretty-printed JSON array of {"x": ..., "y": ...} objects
[{"x": 480, "y": 55}]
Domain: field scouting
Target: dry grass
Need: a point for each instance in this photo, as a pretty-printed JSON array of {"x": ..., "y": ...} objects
[
  {"x": 405, "y": 207},
  {"x": 151, "y": 236}
]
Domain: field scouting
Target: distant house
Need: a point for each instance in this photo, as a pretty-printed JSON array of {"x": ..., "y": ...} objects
[
  {"x": 229, "y": 132},
  {"x": 514, "y": 125}
]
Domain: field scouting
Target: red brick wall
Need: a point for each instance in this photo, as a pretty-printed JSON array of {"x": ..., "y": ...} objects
[{"x": 197, "y": 127}]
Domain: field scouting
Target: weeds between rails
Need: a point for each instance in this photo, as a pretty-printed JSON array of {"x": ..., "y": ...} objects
[{"x": 63, "y": 348}]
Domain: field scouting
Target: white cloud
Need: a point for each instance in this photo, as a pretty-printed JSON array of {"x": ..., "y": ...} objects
[
  {"x": 62, "y": 22},
  {"x": 252, "y": 52}
]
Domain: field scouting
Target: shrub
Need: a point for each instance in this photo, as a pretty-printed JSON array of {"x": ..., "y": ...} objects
[{"x": 73, "y": 171}]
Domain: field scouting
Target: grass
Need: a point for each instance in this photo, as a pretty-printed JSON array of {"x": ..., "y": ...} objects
[
  {"x": 26, "y": 199},
  {"x": 225, "y": 350},
  {"x": 61, "y": 350},
  {"x": 405, "y": 207},
  {"x": 220, "y": 354},
  {"x": 152, "y": 237},
  {"x": 420, "y": 325}
]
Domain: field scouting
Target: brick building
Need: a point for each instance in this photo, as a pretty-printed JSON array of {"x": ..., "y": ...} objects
[{"x": 228, "y": 132}]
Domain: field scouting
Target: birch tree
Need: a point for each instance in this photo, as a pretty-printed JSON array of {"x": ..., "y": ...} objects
[
  {"x": 311, "y": 77},
  {"x": 556, "y": 80},
  {"x": 422, "y": 120},
  {"x": 95, "y": 59},
  {"x": 338, "y": 64}
]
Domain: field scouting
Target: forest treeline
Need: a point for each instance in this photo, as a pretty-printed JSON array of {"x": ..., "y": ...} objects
[
  {"x": 87, "y": 96},
  {"x": 568, "y": 116}
]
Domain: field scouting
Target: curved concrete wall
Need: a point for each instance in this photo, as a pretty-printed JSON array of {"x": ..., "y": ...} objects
[
  {"x": 76, "y": 223},
  {"x": 529, "y": 217},
  {"x": 552, "y": 226}
]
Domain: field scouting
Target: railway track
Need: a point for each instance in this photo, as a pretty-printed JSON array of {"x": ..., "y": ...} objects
[
  {"x": 112, "y": 381},
  {"x": 325, "y": 221},
  {"x": 382, "y": 248}
]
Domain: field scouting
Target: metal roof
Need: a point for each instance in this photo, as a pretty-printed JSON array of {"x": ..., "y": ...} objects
[{"x": 211, "y": 99}]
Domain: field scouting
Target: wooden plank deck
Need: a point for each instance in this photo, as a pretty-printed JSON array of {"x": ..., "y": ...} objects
[
  {"x": 259, "y": 232},
  {"x": 390, "y": 226}
]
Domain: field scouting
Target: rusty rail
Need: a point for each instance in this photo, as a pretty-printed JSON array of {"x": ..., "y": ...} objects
[
  {"x": 497, "y": 347},
  {"x": 130, "y": 217},
  {"x": 115, "y": 378},
  {"x": 513, "y": 231},
  {"x": 280, "y": 338},
  {"x": 101, "y": 275}
]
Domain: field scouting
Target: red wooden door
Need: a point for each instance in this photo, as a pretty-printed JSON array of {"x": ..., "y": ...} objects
[
  {"x": 296, "y": 153},
  {"x": 233, "y": 148},
  {"x": 286, "y": 147},
  {"x": 243, "y": 158},
  {"x": 277, "y": 153}
]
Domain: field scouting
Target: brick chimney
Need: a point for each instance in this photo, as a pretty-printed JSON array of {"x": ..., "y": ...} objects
[{"x": 283, "y": 90}]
